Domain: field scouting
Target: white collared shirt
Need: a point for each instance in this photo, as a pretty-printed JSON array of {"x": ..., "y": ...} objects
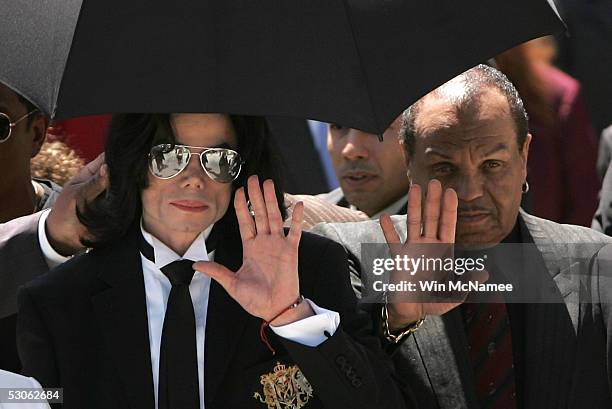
[
  {"x": 391, "y": 210},
  {"x": 157, "y": 291},
  {"x": 19, "y": 384},
  {"x": 308, "y": 331}
]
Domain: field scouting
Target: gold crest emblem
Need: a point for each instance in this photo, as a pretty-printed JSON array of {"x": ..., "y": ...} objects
[{"x": 285, "y": 388}]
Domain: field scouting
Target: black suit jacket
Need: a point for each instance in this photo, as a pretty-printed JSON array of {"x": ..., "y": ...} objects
[
  {"x": 565, "y": 347},
  {"x": 84, "y": 327},
  {"x": 21, "y": 260}
]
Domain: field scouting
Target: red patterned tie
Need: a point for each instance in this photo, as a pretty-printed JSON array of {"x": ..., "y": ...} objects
[{"x": 490, "y": 343}]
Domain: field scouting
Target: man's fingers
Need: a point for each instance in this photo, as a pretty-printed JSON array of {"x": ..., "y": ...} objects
[
  {"x": 88, "y": 171},
  {"x": 413, "y": 216},
  {"x": 217, "y": 272},
  {"x": 448, "y": 220},
  {"x": 389, "y": 230},
  {"x": 245, "y": 221},
  {"x": 93, "y": 187},
  {"x": 432, "y": 209},
  {"x": 274, "y": 216},
  {"x": 297, "y": 219},
  {"x": 259, "y": 206}
]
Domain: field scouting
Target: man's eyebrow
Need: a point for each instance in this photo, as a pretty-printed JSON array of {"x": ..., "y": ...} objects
[
  {"x": 499, "y": 147},
  {"x": 432, "y": 151}
]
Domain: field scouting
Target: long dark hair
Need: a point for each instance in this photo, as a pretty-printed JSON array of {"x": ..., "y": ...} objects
[{"x": 130, "y": 138}]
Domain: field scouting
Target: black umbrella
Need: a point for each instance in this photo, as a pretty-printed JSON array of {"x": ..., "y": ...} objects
[{"x": 355, "y": 62}]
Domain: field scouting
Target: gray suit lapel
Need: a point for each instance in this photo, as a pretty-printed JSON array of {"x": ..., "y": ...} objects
[
  {"x": 557, "y": 257},
  {"x": 441, "y": 344},
  {"x": 550, "y": 328}
]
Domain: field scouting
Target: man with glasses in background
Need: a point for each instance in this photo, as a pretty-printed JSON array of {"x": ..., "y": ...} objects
[
  {"x": 22, "y": 132},
  {"x": 31, "y": 236}
]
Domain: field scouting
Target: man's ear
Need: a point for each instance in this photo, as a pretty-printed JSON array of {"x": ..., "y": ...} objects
[
  {"x": 525, "y": 150},
  {"x": 39, "y": 126},
  {"x": 525, "y": 153},
  {"x": 406, "y": 157}
]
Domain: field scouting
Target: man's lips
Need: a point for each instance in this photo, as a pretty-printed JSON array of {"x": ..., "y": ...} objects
[
  {"x": 472, "y": 217},
  {"x": 190, "y": 205},
  {"x": 356, "y": 179}
]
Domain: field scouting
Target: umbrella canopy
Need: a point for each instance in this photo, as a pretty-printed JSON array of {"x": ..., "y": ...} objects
[{"x": 354, "y": 62}]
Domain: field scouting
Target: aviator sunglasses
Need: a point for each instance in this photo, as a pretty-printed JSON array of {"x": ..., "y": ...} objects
[
  {"x": 220, "y": 164},
  {"x": 6, "y": 126}
]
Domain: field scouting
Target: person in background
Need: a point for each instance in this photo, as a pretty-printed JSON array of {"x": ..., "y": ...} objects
[
  {"x": 602, "y": 220},
  {"x": 131, "y": 323},
  {"x": 25, "y": 210},
  {"x": 467, "y": 145},
  {"x": 605, "y": 151},
  {"x": 563, "y": 181},
  {"x": 22, "y": 132},
  {"x": 372, "y": 173}
]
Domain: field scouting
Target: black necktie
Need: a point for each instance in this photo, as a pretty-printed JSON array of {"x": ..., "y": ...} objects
[{"x": 178, "y": 360}]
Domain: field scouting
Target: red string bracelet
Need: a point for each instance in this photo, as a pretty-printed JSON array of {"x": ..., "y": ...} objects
[{"x": 264, "y": 324}]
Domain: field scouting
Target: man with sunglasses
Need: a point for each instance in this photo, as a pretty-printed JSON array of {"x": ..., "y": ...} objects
[
  {"x": 268, "y": 319},
  {"x": 22, "y": 133},
  {"x": 32, "y": 237}
]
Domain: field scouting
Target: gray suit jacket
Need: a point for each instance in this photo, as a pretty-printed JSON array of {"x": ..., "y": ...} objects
[{"x": 567, "y": 345}]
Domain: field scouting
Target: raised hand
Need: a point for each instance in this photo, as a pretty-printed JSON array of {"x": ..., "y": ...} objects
[
  {"x": 267, "y": 283},
  {"x": 434, "y": 235},
  {"x": 64, "y": 230}
]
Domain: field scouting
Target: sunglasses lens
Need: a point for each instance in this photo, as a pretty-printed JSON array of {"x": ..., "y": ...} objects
[
  {"x": 222, "y": 165},
  {"x": 166, "y": 160},
  {"x": 5, "y": 128}
]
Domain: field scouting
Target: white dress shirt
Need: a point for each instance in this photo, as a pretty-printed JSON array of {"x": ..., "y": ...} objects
[
  {"x": 391, "y": 210},
  {"x": 308, "y": 331},
  {"x": 52, "y": 257},
  {"x": 12, "y": 381}
]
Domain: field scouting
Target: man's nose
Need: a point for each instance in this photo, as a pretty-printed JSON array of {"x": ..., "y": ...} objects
[
  {"x": 193, "y": 175},
  {"x": 468, "y": 187},
  {"x": 357, "y": 145}
]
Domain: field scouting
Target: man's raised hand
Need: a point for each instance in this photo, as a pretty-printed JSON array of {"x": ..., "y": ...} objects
[
  {"x": 267, "y": 283},
  {"x": 431, "y": 233}
]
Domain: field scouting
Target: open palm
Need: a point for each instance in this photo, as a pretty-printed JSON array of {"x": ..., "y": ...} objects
[
  {"x": 432, "y": 236},
  {"x": 267, "y": 282}
]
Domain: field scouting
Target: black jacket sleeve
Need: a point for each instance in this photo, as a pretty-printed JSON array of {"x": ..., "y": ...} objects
[
  {"x": 349, "y": 369},
  {"x": 34, "y": 342}
]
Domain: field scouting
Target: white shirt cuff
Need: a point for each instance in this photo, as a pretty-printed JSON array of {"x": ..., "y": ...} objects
[
  {"x": 310, "y": 330},
  {"x": 52, "y": 257}
]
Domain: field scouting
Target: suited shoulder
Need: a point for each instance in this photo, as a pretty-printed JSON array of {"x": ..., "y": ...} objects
[
  {"x": 77, "y": 276},
  {"x": 312, "y": 244},
  {"x": 367, "y": 231},
  {"x": 333, "y": 196},
  {"x": 553, "y": 232}
]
